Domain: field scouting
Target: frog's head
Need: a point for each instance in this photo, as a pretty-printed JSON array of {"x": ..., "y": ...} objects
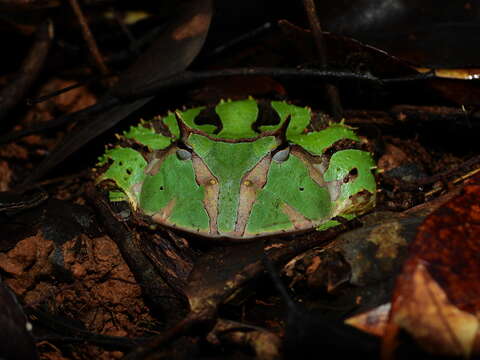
[{"x": 236, "y": 180}]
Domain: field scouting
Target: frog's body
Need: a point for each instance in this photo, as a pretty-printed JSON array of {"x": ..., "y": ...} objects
[{"x": 236, "y": 178}]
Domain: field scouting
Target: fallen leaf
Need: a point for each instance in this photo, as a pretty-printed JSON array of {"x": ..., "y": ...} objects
[
  {"x": 373, "y": 321},
  {"x": 425, "y": 311},
  {"x": 437, "y": 296}
]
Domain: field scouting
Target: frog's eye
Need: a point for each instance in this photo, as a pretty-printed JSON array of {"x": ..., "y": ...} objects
[
  {"x": 184, "y": 154},
  {"x": 281, "y": 155},
  {"x": 352, "y": 175}
]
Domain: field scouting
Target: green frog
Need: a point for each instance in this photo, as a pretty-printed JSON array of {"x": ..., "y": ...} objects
[{"x": 240, "y": 170}]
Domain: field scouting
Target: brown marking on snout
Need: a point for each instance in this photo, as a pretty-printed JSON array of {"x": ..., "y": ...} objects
[
  {"x": 299, "y": 221},
  {"x": 205, "y": 178},
  {"x": 161, "y": 217},
  {"x": 251, "y": 184}
]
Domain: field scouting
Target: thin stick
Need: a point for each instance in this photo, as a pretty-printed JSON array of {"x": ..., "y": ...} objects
[
  {"x": 428, "y": 180},
  {"x": 42, "y": 98},
  {"x": 188, "y": 78},
  {"x": 89, "y": 39},
  {"x": 311, "y": 11},
  {"x": 13, "y": 93},
  {"x": 330, "y": 89}
]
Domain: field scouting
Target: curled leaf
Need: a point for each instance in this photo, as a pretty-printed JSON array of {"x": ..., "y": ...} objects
[{"x": 437, "y": 296}]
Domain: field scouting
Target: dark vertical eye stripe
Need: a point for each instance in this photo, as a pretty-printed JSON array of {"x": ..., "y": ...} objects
[
  {"x": 266, "y": 116},
  {"x": 210, "y": 117}
]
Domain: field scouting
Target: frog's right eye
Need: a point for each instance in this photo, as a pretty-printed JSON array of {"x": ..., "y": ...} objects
[
  {"x": 281, "y": 155},
  {"x": 184, "y": 154}
]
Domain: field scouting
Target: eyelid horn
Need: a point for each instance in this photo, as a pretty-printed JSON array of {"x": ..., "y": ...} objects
[
  {"x": 281, "y": 133},
  {"x": 183, "y": 129},
  {"x": 282, "y": 151}
]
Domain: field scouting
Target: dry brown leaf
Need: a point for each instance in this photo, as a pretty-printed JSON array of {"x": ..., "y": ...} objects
[
  {"x": 437, "y": 295},
  {"x": 373, "y": 321},
  {"x": 425, "y": 311}
]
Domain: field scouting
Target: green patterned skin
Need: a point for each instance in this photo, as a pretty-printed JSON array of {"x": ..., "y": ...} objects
[{"x": 236, "y": 171}]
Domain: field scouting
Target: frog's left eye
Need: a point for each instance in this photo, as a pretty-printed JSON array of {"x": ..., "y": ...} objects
[
  {"x": 281, "y": 155},
  {"x": 183, "y": 154}
]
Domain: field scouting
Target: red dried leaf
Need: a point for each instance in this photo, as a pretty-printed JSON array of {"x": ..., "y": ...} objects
[
  {"x": 448, "y": 242},
  {"x": 437, "y": 295}
]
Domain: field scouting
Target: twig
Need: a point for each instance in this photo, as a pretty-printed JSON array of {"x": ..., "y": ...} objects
[
  {"x": 181, "y": 328},
  {"x": 42, "y": 98},
  {"x": 188, "y": 78},
  {"x": 455, "y": 181},
  {"x": 89, "y": 39},
  {"x": 330, "y": 89},
  {"x": 403, "y": 114},
  {"x": 13, "y": 93},
  {"x": 449, "y": 173},
  {"x": 442, "y": 176},
  {"x": 71, "y": 333},
  {"x": 20, "y": 200}
]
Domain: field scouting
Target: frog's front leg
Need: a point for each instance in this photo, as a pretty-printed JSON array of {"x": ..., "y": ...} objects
[{"x": 152, "y": 279}]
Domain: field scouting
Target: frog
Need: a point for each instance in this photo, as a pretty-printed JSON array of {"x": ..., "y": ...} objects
[{"x": 240, "y": 170}]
